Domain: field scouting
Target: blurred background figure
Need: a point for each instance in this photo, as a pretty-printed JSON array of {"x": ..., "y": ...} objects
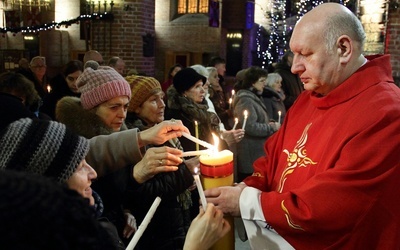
[
  {"x": 118, "y": 64},
  {"x": 93, "y": 55},
  {"x": 291, "y": 83},
  {"x": 37, "y": 74},
  {"x": 274, "y": 97},
  {"x": 64, "y": 84}
]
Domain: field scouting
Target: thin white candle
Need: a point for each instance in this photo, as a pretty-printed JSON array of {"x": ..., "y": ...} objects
[
  {"x": 144, "y": 224},
  {"x": 279, "y": 116},
  {"x": 200, "y": 189},
  {"x": 236, "y": 123},
  {"x": 195, "y": 153},
  {"x": 245, "y": 119},
  {"x": 194, "y": 139},
  {"x": 196, "y": 130}
]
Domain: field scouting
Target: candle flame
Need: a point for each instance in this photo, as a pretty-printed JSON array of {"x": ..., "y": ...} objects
[
  {"x": 236, "y": 120},
  {"x": 196, "y": 170},
  {"x": 216, "y": 142},
  {"x": 279, "y": 112},
  {"x": 233, "y": 92},
  {"x": 245, "y": 114},
  {"x": 195, "y": 123},
  {"x": 230, "y": 100}
]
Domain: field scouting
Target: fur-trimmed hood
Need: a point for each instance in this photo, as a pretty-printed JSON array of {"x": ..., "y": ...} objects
[{"x": 84, "y": 122}]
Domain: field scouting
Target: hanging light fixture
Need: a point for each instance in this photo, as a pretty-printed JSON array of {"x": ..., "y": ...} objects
[{"x": 19, "y": 4}]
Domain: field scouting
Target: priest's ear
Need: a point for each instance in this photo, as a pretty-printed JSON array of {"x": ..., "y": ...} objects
[{"x": 345, "y": 48}]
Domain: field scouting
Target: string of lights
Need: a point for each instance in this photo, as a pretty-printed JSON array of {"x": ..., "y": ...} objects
[{"x": 53, "y": 24}]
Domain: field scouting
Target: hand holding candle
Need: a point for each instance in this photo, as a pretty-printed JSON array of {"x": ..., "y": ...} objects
[
  {"x": 236, "y": 123},
  {"x": 245, "y": 119}
]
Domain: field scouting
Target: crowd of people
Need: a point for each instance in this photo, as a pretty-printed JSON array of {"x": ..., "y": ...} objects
[{"x": 315, "y": 143}]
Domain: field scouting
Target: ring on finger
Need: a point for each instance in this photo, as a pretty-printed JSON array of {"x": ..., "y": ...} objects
[
  {"x": 160, "y": 162},
  {"x": 172, "y": 120}
]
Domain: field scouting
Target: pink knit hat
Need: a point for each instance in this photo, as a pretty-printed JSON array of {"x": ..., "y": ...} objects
[{"x": 101, "y": 85}]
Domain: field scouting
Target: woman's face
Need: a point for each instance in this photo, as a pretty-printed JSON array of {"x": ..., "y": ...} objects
[
  {"x": 71, "y": 80},
  {"x": 259, "y": 85},
  {"x": 196, "y": 92},
  {"x": 277, "y": 86},
  {"x": 214, "y": 79},
  {"x": 81, "y": 180},
  {"x": 152, "y": 110},
  {"x": 113, "y": 112}
]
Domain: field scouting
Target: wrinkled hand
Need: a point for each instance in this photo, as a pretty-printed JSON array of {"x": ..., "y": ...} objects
[
  {"x": 226, "y": 198},
  {"x": 275, "y": 125},
  {"x": 130, "y": 226},
  {"x": 233, "y": 136},
  {"x": 206, "y": 229},
  {"x": 161, "y": 132},
  {"x": 157, "y": 160}
]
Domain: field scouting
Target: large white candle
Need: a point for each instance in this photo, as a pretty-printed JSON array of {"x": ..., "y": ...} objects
[{"x": 144, "y": 224}]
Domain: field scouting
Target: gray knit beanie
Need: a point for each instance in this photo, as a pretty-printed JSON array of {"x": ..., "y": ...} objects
[{"x": 44, "y": 147}]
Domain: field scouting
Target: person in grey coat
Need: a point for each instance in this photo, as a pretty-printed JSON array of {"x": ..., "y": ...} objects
[{"x": 258, "y": 126}]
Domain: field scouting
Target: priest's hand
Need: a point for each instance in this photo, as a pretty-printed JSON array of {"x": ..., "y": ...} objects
[{"x": 226, "y": 198}]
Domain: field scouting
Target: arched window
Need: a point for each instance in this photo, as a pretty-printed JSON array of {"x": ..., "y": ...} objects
[{"x": 192, "y": 6}]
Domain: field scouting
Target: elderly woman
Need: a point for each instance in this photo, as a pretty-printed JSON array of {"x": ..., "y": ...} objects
[
  {"x": 273, "y": 97},
  {"x": 50, "y": 149},
  {"x": 172, "y": 219},
  {"x": 101, "y": 110},
  {"x": 258, "y": 125},
  {"x": 186, "y": 102}
]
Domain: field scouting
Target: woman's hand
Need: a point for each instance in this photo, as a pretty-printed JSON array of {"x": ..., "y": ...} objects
[
  {"x": 233, "y": 136},
  {"x": 206, "y": 229},
  {"x": 161, "y": 132},
  {"x": 130, "y": 226},
  {"x": 157, "y": 160}
]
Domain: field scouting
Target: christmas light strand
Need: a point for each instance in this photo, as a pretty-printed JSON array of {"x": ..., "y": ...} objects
[{"x": 53, "y": 24}]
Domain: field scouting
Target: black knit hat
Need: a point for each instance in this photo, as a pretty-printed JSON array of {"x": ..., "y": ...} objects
[
  {"x": 187, "y": 78},
  {"x": 44, "y": 147}
]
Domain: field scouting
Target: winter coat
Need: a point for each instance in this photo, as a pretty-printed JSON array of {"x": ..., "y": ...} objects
[
  {"x": 184, "y": 109},
  {"x": 257, "y": 129},
  {"x": 273, "y": 101}
]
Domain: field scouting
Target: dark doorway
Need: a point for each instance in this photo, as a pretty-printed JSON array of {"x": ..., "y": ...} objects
[{"x": 234, "y": 52}]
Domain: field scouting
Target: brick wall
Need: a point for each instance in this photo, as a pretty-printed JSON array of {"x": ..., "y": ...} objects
[
  {"x": 123, "y": 36},
  {"x": 393, "y": 42}
]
